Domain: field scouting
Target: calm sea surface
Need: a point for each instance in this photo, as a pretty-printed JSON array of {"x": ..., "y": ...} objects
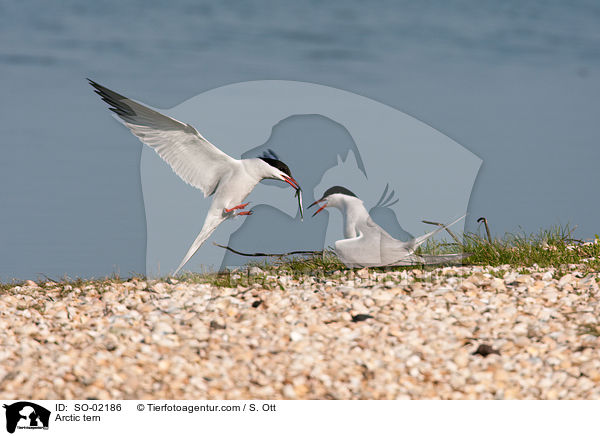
[{"x": 517, "y": 83}]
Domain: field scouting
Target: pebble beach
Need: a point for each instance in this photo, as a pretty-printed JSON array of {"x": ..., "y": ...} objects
[{"x": 462, "y": 332}]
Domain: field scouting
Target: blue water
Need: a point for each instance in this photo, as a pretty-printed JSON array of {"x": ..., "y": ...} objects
[{"x": 517, "y": 83}]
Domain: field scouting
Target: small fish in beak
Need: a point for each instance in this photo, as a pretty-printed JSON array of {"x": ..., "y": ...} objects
[{"x": 299, "y": 195}]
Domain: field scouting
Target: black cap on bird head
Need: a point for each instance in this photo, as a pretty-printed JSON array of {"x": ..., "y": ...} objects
[
  {"x": 338, "y": 190},
  {"x": 277, "y": 164},
  {"x": 272, "y": 159},
  {"x": 331, "y": 191}
]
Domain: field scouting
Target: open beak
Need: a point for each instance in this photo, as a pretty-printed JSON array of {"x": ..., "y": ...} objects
[
  {"x": 292, "y": 182},
  {"x": 321, "y": 208}
]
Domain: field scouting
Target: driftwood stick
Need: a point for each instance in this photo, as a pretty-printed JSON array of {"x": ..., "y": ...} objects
[
  {"x": 267, "y": 254},
  {"x": 447, "y": 229},
  {"x": 487, "y": 229},
  {"x": 579, "y": 241}
]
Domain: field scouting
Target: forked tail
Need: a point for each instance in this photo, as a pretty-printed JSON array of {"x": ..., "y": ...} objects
[
  {"x": 418, "y": 241},
  {"x": 207, "y": 230}
]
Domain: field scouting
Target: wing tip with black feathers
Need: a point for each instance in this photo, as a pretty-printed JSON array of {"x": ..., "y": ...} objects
[{"x": 115, "y": 100}]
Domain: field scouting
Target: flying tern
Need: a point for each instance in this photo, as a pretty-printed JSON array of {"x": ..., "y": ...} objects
[
  {"x": 367, "y": 244},
  {"x": 198, "y": 162}
]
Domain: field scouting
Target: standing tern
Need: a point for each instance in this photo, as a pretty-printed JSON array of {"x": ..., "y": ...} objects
[
  {"x": 198, "y": 162},
  {"x": 367, "y": 244}
]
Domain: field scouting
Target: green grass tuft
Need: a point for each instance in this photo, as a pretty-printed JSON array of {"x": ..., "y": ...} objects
[{"x": 554, "y": 247}]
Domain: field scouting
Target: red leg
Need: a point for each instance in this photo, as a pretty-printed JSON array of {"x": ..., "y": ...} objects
[
  {"x": 246, "y": 212},
  {"x": 239, "y": 206}
]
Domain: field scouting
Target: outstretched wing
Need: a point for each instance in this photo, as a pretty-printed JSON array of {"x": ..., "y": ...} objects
[{"x": 190, "y": 155}]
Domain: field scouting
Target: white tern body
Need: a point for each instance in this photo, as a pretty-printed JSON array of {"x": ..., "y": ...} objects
[{"x": 197, "y": 162}]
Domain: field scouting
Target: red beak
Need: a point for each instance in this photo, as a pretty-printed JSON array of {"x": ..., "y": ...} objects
[
  {"x": 292, "y": 182},
  {"x": 320, "y": 209}
]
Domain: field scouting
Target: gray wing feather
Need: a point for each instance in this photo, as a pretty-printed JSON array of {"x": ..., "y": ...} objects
[
  {"x": 375, "y": 247},
  {"x": 193, "y": 158}
]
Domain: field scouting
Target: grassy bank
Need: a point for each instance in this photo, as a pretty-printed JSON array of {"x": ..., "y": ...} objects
[{"x": 551, "y": 248}]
